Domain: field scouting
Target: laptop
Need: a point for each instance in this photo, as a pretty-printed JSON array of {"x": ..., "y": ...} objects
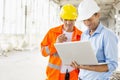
[{"x": 79, "y": 51}]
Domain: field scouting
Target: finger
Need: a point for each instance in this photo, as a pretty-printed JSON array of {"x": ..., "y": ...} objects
[
  {"x": 72, "y": 64},
  {"x": 76, "y": 64},
  {"x": 62, "y": 35},
  {"x": 60, "y": 38},
  {"x": 65, "y": 38}
]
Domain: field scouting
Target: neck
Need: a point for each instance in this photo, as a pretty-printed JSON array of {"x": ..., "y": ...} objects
[{"x": 93, "y": 30}]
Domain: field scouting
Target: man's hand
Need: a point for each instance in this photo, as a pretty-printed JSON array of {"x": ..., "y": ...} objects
[
  {"x": 61, "y": 38},
  {"x": 97, "y": 68},
  {"x": 75, "y": 65}
]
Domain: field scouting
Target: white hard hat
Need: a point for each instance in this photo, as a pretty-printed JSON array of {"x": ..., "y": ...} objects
[{"x": 86, "y": 9}]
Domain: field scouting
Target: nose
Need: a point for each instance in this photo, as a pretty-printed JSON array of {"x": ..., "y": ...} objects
[{"x": 68, "y": 22}]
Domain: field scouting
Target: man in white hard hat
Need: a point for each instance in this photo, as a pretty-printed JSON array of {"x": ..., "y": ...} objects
[{"x": 104, "y": 43}]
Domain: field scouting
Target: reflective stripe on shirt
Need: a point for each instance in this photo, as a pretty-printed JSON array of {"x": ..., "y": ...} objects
[
  {"x": 54, "y": 66},
  {"x": 47, "y": 50}
]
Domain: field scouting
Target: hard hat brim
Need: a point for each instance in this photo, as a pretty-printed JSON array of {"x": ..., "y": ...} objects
[{"x": 83, "y": 16}]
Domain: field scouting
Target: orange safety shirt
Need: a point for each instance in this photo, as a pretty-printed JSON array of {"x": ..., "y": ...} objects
[{"x": 48, "y": 49}]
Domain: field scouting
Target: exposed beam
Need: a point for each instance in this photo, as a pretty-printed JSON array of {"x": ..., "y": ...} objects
[
  {"x": 56, "y": 1},
  {"x": 75, "y": 2}
]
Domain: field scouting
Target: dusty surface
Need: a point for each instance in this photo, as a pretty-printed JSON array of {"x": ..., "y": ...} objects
[{"x": 27, "y": 65}]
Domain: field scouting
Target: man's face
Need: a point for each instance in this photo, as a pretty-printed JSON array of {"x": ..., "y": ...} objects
[
  {"x": 92, "y": 22},
  {"x": 68, "y": 25}
]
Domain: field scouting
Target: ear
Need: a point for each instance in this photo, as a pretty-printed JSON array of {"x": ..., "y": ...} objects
[
  {"x": 61, "y": 19},
  {"x": 98, "y": 15}
]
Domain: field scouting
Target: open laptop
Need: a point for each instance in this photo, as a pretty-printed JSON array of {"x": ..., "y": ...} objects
[{"x": 78, "y": 51}]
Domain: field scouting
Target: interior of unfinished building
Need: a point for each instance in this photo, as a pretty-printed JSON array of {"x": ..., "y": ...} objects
[{"x": 24, "y": 23}]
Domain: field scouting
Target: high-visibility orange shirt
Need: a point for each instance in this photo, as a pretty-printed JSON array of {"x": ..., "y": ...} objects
[{"x": 48, "y": 49}]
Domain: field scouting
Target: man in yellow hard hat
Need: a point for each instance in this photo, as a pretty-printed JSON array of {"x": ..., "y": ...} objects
[
  {"x": 63, "y": 33},
  {"x": 104, "y": 43}
]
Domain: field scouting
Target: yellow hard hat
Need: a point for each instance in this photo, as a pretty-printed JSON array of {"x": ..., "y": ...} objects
[{"x": 68, "y": 11}]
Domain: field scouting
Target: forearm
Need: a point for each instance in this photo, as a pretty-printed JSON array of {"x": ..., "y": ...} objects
[{"x": 98, "y": 68}]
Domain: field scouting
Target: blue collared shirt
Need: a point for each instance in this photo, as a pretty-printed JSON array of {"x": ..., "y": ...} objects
[{"x": 105, "y": 45}]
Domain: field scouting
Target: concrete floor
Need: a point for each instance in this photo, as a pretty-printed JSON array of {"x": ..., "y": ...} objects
[{"x": 27, "y": 65}]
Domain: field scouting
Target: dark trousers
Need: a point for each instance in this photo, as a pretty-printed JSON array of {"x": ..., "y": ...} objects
[{"x": 79, "y": 78}]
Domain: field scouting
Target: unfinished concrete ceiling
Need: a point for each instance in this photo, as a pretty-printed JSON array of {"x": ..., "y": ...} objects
[{"x": 107, "y": 6}]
